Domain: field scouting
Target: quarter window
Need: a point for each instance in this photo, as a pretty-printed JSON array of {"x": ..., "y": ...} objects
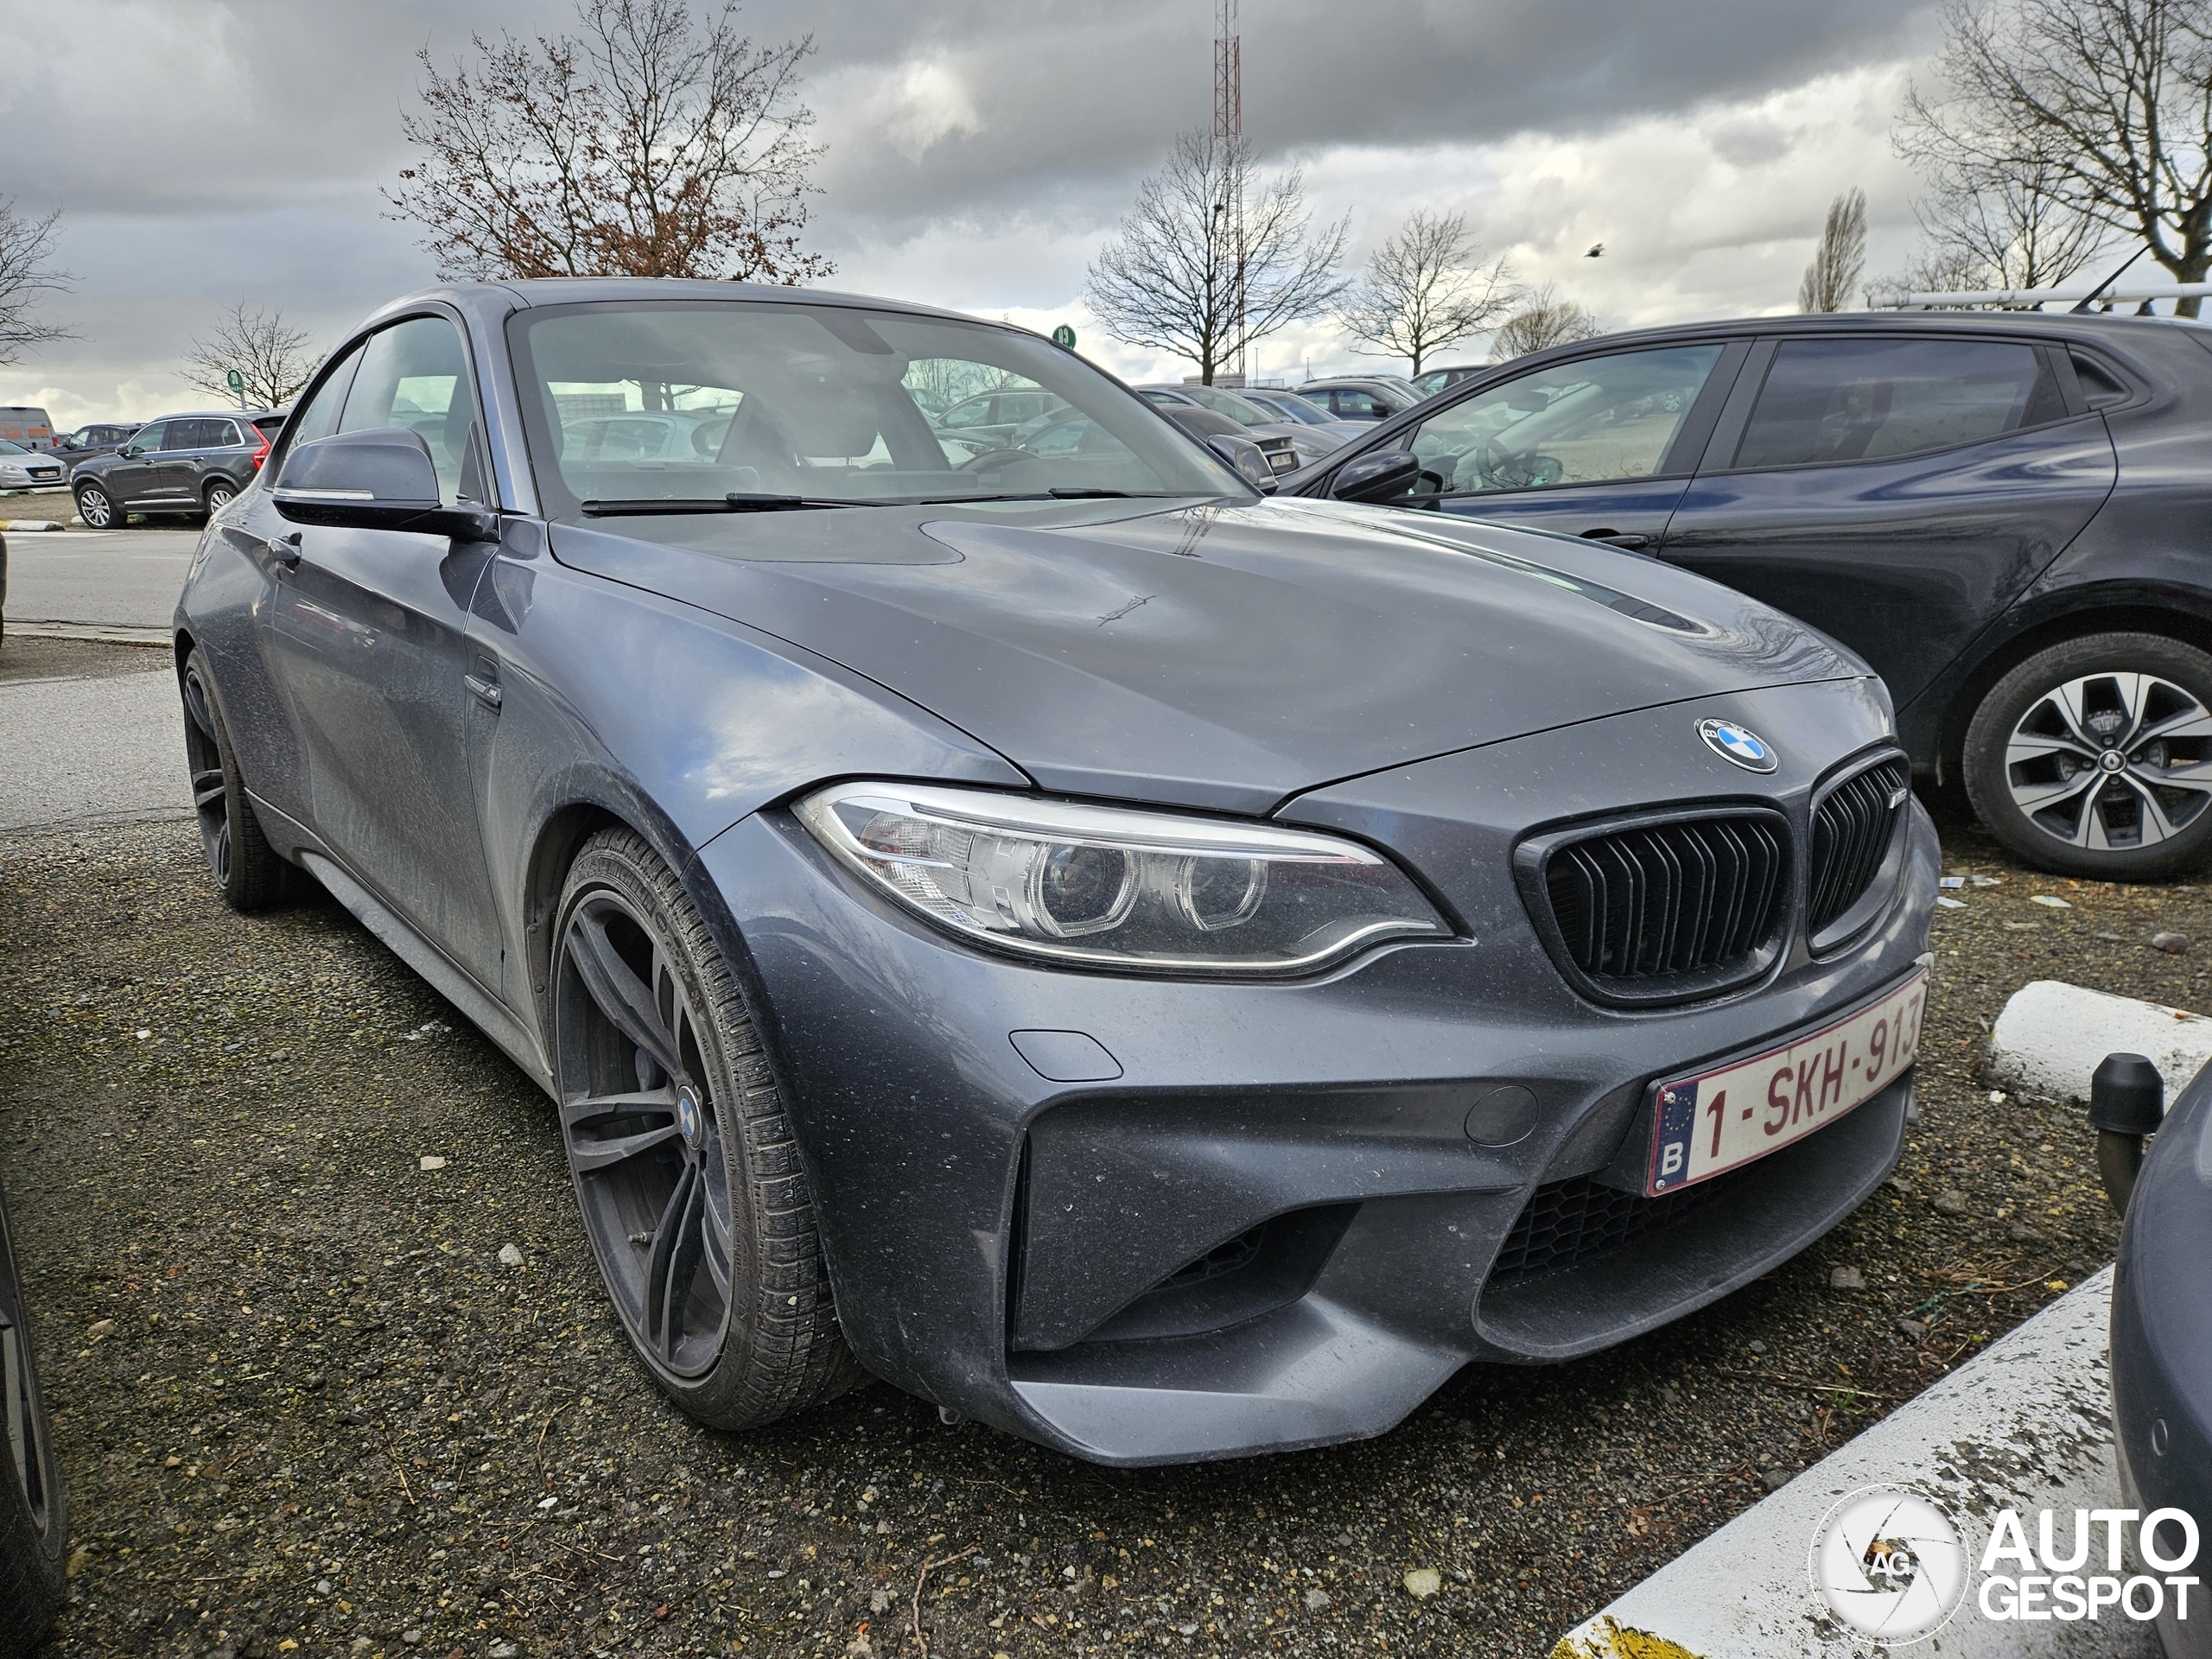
[
  {"x": 1835, "y": 400},
  {"x": 1593, "y": 420}
]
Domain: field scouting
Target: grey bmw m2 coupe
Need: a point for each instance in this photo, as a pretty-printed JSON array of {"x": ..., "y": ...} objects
[{"x": 1169, "y": 972}]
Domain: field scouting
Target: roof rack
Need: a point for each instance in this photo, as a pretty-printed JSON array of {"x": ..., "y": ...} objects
[{"x": 2023, "y": 299}]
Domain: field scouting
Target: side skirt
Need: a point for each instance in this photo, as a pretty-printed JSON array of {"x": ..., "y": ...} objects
[{"x": 429, "y": 962}]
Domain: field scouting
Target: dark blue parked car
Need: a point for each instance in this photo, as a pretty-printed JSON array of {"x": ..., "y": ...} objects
[
  {"x": 1167, "y": 972},
  {"x": 2010, "y": 516}
]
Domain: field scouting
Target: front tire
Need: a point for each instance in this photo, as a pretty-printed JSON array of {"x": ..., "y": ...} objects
[
  {"x": 245, "y": 866},
  {"x": 2094, "y": 758},
  {"x": 34, "y": 1511},
  {"x": 686, "y": 1171},
  {"x": 97, "y": 508}
]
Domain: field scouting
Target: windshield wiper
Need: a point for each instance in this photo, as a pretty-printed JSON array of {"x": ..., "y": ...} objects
[
  {"x": 736, "y": 501},
  {"x": 1056, "y": 494}
]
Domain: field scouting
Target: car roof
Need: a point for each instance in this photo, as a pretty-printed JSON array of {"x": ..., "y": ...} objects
[
  {"x": 501, "y": 298},
  {"x": 2084, "y": 325}
]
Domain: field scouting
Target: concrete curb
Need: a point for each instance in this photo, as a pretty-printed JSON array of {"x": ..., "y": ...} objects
[
  {"x": 2025, "y": 1426},
  {"x": 113, "y": 633},
  {"x": 2051, "y": 1035},
  {"x": 26, "y": 526}
]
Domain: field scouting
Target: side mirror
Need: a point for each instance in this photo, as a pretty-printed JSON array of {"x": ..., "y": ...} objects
[
  {"x": 382, "y": 479},
  {"x": 1378, "y": 476},
  {"x": 1244, "y": 456}
]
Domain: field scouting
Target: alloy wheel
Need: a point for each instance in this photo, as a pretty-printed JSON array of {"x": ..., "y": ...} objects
[
  {"x": 27, "y": 1430},
  {"x": 96, "y": 509},
  {"x": 211, "y": 796},
  {"x": 220, "y": 496},
  {"x": 644, "y": 1138},
  {"x": 2112, "y": 761}
]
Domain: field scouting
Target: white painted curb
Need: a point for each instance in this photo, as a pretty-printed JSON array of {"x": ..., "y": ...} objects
[
  {"x": 26, "y": 525},
  {"x": 2051, "y": 1035},
  {"x": 2023, "y": 1425}
]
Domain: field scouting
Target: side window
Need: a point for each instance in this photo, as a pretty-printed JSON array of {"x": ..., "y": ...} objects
[
  {"x": 318, "y": 416},
  {"x": 413, "y": 374},
  {"x": 147, "y": 437},
  {"x": 193, "y": 435},
  {"x": 2100, "y": 387},
  {"x": 1597, "y": 420},
  {"x": 1832, "y": 400},
  {"x": 1326, "y": 398}
]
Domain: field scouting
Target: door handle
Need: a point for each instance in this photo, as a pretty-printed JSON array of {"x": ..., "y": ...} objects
[
  {"x": 486, "y": 692},
  {"x": 285, "y": 549},
  {"x": 1614, "y": 538}
]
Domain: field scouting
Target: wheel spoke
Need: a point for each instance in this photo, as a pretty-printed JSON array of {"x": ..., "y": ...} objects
[
  {"x": 2067, "y": 700},
  {"x": 2025, "y": 746},
  {"x": 666, "y": 1287},
  {"x": 2153, "y": 824},
  {"x": 621, "y": 995},
  {"x": 717, "y": 1247},
  {"x": 207, "y": 789},
  {"x": 2038, "y": 797},
  {"x": 2192, "y": 722},
  {"x": 590, "y": 1154}
]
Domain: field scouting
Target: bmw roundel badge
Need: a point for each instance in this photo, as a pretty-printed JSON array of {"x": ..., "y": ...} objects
[{"x": 1740, "y": 744}]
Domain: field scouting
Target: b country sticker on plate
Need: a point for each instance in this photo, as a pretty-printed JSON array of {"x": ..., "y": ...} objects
[{"x": 1705, "y": 1125}]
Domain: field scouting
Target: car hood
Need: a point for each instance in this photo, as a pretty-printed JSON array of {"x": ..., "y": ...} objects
[{"x": 1220, "y": 657}]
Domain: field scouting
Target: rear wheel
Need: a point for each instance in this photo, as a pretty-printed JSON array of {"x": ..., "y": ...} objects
[
  {"x": 686, "y": 1171},
  {"x": 220, "y": 495},
  {"x": 97, "y": 507},
  {"x": 2095, "y": 757},
  {"x": 244, "y": 866},
  {"x": 34, "y": 1519}
]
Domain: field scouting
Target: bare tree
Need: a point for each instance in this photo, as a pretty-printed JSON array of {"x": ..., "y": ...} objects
[
  {"x": 1830, "y": 279},
  {"x": 28, "y": 275},
  {"x": 657, "y": 145},
  {"x": 1180, "y": 276},
  {"x": 272, "y": 357},
  {"x": 2103, "y": 107},
  {"x": 1544, "y": 319},
  {"x": 1425, "y": 289},
  {"x": 2012, "y": 232}
]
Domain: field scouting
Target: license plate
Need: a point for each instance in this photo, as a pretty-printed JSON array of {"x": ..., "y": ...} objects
[{"x": 1707, "y": 1125}]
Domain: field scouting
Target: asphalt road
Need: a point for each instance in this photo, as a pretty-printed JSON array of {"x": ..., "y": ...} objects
[{"x": 121, "y": 578}]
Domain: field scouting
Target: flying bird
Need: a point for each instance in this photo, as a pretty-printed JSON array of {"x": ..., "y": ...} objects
[{"x": 1597, "y": 249}]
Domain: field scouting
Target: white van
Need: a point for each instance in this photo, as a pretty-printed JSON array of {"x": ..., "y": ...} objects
[{"x": 21, "y": 424}]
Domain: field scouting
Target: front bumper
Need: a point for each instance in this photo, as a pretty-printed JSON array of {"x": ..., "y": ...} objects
[
  {"x": 2162, "y": 1346},
  {"x": 1259, "y": 1220}
]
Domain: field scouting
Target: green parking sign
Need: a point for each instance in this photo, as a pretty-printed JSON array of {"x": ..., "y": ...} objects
[
  {"x": 1063, "y": 337},
  {"x": 235, "y": 381}
]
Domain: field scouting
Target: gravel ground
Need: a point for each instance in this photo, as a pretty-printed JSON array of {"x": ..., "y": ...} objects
[
  {"x": 304, "y": 1405},
  {"x": 31, "y": 657}
]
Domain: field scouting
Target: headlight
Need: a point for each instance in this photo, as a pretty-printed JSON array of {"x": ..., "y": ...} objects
[{"x": 1113, "y": 888}]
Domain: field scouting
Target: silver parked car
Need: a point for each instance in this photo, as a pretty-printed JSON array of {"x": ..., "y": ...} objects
[
  {"x": 30, "y": 469},
  {"x": 1306, "y": 444}
]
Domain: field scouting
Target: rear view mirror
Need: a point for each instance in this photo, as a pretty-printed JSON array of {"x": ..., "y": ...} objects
[
  {"x": 1244, "y": 456},
  {"x": 382, "y": 479},
  {"x": 1378, "y": 476}
]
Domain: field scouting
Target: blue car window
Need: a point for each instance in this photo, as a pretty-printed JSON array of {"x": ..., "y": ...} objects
[
  {"x": 1592, "y": 421},
  {"x": 1838, "y": 400}
]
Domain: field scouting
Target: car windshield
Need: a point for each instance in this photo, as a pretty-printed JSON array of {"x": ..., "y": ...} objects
[
  {"x": 1302, "y": 409},
  {"x": 8, "y": 449},
  {"x": 681, "y": 402},
  {"x": 1239, "y": 410}
]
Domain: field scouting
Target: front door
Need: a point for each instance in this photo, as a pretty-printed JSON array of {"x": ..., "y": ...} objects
[
  {"x": 130, "y": 476},
  {"x": 1895, "y": 492},
  {"x": 1593, "y": 447},
  {"x": 367, "y": 634}
]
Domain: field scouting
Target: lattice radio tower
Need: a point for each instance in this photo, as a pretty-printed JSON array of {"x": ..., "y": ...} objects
[{"x": 1228, "y": 138}]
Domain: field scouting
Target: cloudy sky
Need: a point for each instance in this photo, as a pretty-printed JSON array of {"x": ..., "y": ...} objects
[{"x": 205, "y": 151}]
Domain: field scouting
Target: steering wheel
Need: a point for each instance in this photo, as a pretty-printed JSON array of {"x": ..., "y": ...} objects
[
  {"x": 1500, "y": 468},
  {"x": 999, "y": 457}
]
